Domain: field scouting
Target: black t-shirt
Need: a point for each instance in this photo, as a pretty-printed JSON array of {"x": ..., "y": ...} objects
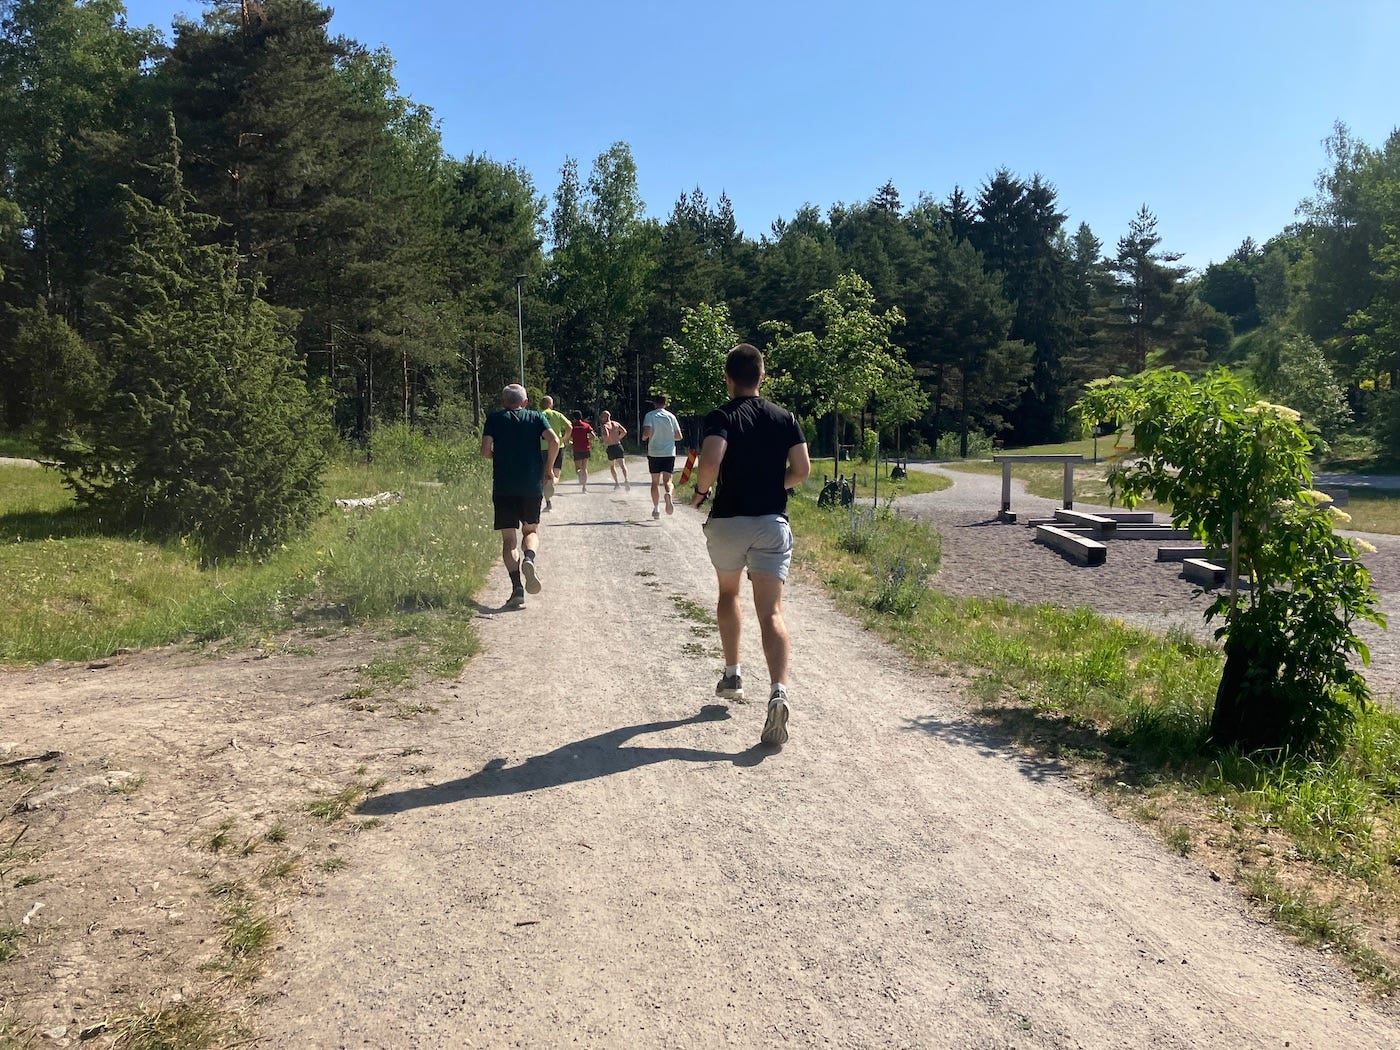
[{"x": 755, "y": 462}]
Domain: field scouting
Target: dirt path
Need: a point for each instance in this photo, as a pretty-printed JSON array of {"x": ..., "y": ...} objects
[{"x": 598, "y": 858}]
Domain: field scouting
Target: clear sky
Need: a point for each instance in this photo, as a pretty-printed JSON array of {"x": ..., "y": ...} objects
[{"x": 1211, "y": 112}]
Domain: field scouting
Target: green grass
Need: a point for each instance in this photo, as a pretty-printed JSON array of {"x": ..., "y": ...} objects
[
  {"x": 331, "y": 808},
  {"x": 17, "y": 446},
  {"x": 74, "y": 590},
  {"x": 194, "y": 1024},
  {"x": 10, "y": 936}
]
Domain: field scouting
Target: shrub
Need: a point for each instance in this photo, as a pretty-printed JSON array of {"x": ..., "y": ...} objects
[{"x": 1235, "y": 472}]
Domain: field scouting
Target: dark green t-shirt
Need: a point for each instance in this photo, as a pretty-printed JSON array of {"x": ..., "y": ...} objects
[{"x": 516, "y": 466}]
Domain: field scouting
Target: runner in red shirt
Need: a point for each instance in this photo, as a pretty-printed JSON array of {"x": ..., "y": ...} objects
[{"x": 581, "y": 437}]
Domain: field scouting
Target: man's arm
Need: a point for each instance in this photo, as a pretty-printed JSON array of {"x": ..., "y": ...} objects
[
  {"x": 552, "y": 448},
  {"x": 799, "y": 466},
  {"x": 488, "y": 448},
  {"x": 707, "y": 469},
  {"x": 646, "y": 433}
]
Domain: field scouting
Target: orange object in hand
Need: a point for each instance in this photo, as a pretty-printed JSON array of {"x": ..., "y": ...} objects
[{"x": 690, "y": 458}]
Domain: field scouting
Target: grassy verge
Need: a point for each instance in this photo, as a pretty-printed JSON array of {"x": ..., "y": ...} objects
[
  {"x": 1315, "y": 843},
  {"x": 73, "y": 590}
]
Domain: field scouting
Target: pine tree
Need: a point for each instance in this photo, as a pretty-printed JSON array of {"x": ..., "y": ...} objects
[{"x": 207, "y": 428}]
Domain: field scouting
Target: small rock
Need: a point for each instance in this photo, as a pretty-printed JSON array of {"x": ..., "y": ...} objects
[{"x": 1214, "y": 877}]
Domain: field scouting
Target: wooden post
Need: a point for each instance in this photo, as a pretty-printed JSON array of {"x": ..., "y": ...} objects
[
  {"x": 1005, "y": 487},
  {"x": 1069, "y": 485}
]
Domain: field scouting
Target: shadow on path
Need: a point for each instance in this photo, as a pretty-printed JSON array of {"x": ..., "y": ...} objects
[
  {"x": 596, "y": 756},
  {"x": 994, "y": 742}
]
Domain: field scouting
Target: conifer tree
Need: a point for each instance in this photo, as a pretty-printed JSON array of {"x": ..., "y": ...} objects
[{"x": 206, "y": 427}]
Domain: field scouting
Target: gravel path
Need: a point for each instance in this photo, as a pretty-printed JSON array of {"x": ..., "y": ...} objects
[
  {"x": 595, "y": 854},
  {"x": 982, "y": 557}
]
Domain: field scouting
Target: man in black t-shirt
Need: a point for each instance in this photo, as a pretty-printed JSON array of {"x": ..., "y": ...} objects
[
  {"x": 511, "y": 439},
  {"x": 755, "y": 451}
]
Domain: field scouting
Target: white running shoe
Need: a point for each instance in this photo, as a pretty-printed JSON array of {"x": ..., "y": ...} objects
[
  {"x": 531, "y": 574},
  {"x": 775, "y": 726},
  {"x": 655, "y": 513},
  {"x": 670, "y": 503}
]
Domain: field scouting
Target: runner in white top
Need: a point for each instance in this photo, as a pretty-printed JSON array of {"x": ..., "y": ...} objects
[{"x": 661, "y": 430}]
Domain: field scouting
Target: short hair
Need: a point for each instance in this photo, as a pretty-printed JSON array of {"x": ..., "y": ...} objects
[
  {"x": 513, "y": 396},
  {"x": 744, "y": 365},
  {"x": 605, "y": 412},
  {"x": 659, "y": 400},
  {"x": 578, "y": 416},
  {"x": 547, "y": 401}
]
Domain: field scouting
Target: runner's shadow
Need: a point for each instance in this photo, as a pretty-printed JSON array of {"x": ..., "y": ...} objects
[
  {"x": 487, "y": 610},
  {"x": 596, "y": 756}
]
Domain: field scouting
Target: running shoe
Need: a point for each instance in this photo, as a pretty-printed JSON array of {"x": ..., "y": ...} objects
[
  {"x": 655, "y": 513},
  {"x": 549, "y": 489},
  {"x": 516, "y": 599},
  {"x": 531, "y": 574},
  {"x": 730, "y": 687},
  {"x": 775, "y": 726},
  {"x": 670, "y": 503}
]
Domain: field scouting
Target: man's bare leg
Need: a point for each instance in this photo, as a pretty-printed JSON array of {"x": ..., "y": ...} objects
[
  {"x": 728, "y": 615},
  {"x": 656, "y": 495},
  {"x": 777, "y": 645}
]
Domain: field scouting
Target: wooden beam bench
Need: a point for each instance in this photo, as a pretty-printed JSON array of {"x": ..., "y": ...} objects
[
  {"x": 1205, "y": 573},
  {"x": 1100, "y": 523},
  {"x": 1081, "y": 548},
  {"x": 1006, "y": 459},
  {"x": 1182, "y": 553}
]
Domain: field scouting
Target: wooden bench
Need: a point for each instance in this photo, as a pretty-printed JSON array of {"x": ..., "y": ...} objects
[
  {"x": 1005, "y": 514},
  {"x": 1081, "y": 548},
  {"x": 1205, "y": 573},
  {"x": 1182, "y": 553}
]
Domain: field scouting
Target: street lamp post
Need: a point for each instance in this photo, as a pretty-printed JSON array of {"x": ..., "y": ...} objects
[{"x": 520, "y": 324}]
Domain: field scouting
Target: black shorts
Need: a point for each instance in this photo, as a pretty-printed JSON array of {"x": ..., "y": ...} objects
[
  {"x": 513, "y": 511},
  {"x": 616, "y": 451},
  {"x": 558, "y": 457},
  {"x": 661, "y": 464}
]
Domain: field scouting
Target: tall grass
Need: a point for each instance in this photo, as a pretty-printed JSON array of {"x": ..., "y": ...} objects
[{"x": 74, "y": 590}]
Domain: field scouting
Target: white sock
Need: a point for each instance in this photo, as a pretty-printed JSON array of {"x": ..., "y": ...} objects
[
  {"x": 730, "y": 670},
  {"x": 779, "y": 689}
]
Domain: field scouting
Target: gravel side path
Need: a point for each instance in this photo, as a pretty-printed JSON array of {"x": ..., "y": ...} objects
[{"x": 983, "y": 558}]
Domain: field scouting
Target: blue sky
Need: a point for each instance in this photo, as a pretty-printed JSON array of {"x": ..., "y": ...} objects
[{"x": 1211, "y": 113}]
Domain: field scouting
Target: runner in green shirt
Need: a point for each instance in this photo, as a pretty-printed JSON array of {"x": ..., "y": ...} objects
[{"x": 560, "y": 424}]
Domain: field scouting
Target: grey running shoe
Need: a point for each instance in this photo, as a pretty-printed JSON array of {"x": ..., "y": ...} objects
[
  {"x": 531, "y": 574},
  {"x": 775, "y": 726},
  {"x": 730, "y": 687},
  {"x": 516, "y": 599},
  {"x": 655, "y": 513},
  {"x": 670, "y": 503}
]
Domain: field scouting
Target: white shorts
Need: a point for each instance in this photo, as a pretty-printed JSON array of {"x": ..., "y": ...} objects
[{"x": 762, "y": 544}]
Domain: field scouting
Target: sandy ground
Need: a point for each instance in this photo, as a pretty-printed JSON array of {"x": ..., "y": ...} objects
[
  {"x": 580, "y": 847},
  {"x": 983, "y": 557}
]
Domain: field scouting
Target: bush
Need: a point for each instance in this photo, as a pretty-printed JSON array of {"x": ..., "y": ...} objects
[
  {"x": 1235, "y": 473},
  {"x": 869, "y": 442},
  {"x": 979, "y": 446}
]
